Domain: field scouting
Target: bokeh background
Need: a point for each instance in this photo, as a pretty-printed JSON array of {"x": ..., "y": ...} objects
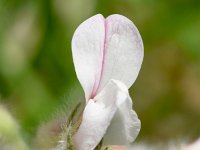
[{"x": 37, "y": 76}]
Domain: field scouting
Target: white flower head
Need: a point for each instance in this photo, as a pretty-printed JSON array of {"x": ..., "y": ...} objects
[{"x": 107, "y": 54}]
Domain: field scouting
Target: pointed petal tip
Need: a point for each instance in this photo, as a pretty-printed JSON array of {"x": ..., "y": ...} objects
[{"x": 135, "y": 127}]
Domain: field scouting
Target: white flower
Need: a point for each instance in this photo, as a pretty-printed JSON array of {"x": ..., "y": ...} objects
[{"x": 107, "y": 55}]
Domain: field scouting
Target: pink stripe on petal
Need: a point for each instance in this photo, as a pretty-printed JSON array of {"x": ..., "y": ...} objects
[
  {"x": 105, "y": 49},
  {"x": 96, "y": 86},
  {"x": 123, "y": 52},
  {"x": 87, "y": 50}
]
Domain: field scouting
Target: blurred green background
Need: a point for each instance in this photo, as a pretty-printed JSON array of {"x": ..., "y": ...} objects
[{"x": 37, "y": 75}]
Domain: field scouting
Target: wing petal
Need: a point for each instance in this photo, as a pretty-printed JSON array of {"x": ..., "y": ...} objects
[
  {"x": 97, "y": 116},
  {"x": 125, "y": 125}
]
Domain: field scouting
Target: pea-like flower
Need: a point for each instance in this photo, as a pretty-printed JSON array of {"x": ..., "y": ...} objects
[{"x": 107, "y": 54}]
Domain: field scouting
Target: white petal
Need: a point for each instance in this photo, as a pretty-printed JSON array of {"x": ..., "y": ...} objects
[
  {"x": 123, "y": 51},
  {"x": 97, "y": 116},
  {"x": 105, "y": 49},
  {"x": 125, "y": 124},
  {"x": 87, "y": 50}
]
